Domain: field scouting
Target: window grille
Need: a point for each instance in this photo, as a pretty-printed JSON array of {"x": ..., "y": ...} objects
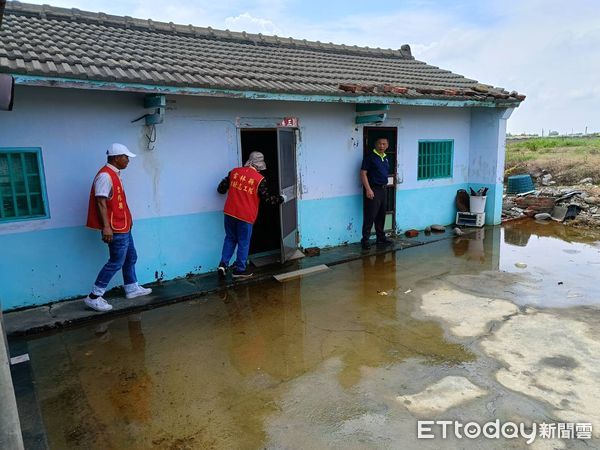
[
  {"x": 435, "y": 159},
  {"x": 22, "y": 184}
]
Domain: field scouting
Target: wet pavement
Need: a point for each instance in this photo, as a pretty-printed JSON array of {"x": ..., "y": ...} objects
[{"x": 501, "y": 324}]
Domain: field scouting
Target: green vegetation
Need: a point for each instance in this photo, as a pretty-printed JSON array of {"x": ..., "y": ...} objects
[
  {"x": 568, "y": 159},
  {"x": 545, "y": 144},
  {"x": 529, "y": 149}
]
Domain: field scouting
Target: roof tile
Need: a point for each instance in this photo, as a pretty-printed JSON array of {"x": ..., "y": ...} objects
[{"x": 103, "y": 47}]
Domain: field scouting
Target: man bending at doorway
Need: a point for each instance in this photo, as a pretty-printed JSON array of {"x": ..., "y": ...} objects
[
  {"x": 374, "y": 177},
  {"x": 245, "y": 187}
]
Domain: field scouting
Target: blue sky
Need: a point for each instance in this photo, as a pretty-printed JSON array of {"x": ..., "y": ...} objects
[{"x": 546, "y": 49}]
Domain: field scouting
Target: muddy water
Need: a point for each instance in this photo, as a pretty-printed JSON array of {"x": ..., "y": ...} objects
[{"x": 348, "y": 358}]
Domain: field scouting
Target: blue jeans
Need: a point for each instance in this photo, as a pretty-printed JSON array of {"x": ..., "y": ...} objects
[
  {"x": 237, "y": 232},
  {"x": 122, "y": 256}
]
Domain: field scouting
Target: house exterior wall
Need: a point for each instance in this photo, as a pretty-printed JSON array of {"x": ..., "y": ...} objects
[
  {"x": 172, "y": 189},
  {"x": 487, "y": 154}
]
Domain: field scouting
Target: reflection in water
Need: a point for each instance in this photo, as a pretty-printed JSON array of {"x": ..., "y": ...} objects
[
  {"x": 223, "y": 370},
  {"x": 266, "y": 330},
  {"x": 94, "y": 383},
  {"x": 555, "y": 265},
  {"x": 471, "y": 246},
  {"x": 514, "y": 235},
  {"x": 131, "y": 396},
  {"x": 519, "y": 232}
]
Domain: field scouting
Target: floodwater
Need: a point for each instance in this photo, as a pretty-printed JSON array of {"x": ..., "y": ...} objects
[{"x": 349, "y": 358}]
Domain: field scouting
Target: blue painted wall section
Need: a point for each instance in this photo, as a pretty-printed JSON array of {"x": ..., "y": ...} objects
[
  {"x": 60, "y": 263},
  {"x": 419, "y": 208},
  {"x": 486, "y": 157},
  {"x": 330, "y": 221}
]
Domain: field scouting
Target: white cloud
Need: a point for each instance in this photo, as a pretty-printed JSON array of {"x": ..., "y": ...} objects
[{"x": 251, "y": 24}]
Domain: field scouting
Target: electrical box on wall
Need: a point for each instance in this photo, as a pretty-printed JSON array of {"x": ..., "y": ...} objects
[
  {"x": 159, "y": 102},
  {"x": 155, "y": 101}
]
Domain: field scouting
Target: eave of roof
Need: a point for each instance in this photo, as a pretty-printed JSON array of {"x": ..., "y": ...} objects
[{"x": 27, "y": 80}]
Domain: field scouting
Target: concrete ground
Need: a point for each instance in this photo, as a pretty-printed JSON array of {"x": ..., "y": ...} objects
[{"x": 495, "y": 328}]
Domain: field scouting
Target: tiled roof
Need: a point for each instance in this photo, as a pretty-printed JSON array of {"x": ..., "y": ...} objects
[{"x": 69, "y": 43}]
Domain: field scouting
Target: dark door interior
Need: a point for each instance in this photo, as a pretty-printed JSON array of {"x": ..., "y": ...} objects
[
  {"x": 266, "y": 233},
  {"x": 371, "y": 134}
]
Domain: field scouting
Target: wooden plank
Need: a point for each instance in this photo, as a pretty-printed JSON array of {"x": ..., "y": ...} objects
[{"x": 300, "y": 273}]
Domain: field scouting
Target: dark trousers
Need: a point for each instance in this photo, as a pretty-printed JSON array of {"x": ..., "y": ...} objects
[{"x": 374, "y": 213}]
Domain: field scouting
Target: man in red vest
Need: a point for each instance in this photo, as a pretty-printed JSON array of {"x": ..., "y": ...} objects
[
  {"x": 246, "y": 188},
  {"x": 108, "y": 212}
]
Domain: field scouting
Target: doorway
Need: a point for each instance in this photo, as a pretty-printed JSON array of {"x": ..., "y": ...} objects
[
  {"x": 370, "y": 135},
  {"x": 266, "y": 233}
]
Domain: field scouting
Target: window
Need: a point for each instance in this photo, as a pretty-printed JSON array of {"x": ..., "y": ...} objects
[
  {"x": 22, "y": 185},
  {"x": 435, "y": 159}
]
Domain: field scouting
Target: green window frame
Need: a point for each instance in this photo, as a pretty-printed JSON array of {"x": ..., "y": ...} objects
[
  {"x": 22, "y": 185},
  {"x": 435, "y": 159}
]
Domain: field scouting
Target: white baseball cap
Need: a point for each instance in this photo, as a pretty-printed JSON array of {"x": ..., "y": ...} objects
[{"x": 119, "y": 149}]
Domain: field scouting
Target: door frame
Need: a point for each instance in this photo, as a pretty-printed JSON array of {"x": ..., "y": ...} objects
[
  {"x": 288, "y": 191},
  {"x": 273, "y": 125}
]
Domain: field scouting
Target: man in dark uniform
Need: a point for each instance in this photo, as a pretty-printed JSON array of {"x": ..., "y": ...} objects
[{"x": 374, "y": 177}]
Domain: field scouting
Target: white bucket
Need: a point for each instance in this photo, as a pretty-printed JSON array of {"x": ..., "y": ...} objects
[{"x": 477, "y": 203}]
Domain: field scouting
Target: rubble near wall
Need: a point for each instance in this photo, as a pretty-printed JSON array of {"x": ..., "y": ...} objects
[{"x": 579, "y": 203}]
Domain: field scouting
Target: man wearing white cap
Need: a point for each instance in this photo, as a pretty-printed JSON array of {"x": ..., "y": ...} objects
[{"x": 108, "y": 212}]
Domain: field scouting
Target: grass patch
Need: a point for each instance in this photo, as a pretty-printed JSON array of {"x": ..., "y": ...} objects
[
  {"x": 529, "y": 149},
  {"x": 567, "y": 159}
]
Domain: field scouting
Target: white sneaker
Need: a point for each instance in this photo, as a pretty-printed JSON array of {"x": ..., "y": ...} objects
[
  {"x": 136, "y": 291},
  {"x": 97, "y": 304}
]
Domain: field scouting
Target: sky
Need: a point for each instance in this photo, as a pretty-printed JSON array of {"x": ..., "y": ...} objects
[{"x": 548, "y": 50}]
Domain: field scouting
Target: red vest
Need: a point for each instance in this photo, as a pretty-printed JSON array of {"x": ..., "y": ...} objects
[
  {"x": 242, "y": 198},
  {"x": 118, "y": 211}
]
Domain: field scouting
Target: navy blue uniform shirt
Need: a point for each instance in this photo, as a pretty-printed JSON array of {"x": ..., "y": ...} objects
[{"x": 377, "y": 168}]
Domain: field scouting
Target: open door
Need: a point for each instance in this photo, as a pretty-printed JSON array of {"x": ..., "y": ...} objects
[
  {"x": 286, "y": 147},
  {"x": 371, "y": 134}
]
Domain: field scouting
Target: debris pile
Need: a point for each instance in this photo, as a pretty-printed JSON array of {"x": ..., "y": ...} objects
[{"x": 578, "y": 205}]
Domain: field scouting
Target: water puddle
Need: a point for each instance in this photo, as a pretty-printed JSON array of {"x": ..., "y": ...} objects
[
  {"x": 560, "y": 262},
  {"x": 330, "y": 361}
]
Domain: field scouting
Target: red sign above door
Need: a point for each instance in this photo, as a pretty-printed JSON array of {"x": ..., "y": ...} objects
[{"x": 290, "y": 122}]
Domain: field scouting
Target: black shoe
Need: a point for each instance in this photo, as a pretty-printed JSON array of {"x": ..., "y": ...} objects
[
  {"x": 365, "y": 245},
  {"x": 239, "y": 274},
  {"x": 384, "y": 241},
  {"x": 222, "y": 270}
]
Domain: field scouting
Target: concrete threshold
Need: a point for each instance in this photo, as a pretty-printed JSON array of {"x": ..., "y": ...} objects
[{"x": 73, "y": 312}]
